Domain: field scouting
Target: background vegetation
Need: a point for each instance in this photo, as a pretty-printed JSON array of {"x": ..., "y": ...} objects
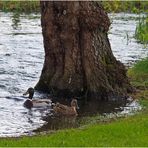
[
  {"x": 141, "y": 33},
  {"x": 20, "y": 6},
  {"x": 126, "y": 6},
  {"x": 110, "y": 6}
]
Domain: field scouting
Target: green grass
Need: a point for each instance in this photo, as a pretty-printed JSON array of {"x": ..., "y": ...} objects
[
  {"x": 139, "y": 74},
  {"x": 131, "y": 131},
  {"x": 141, "y": 33}
]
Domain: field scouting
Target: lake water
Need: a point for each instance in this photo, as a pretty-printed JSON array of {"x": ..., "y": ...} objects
[{"x": 21, "y": 62}]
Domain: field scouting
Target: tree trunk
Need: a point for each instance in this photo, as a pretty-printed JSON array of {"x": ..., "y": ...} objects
[{"x": 78, "y": 57}]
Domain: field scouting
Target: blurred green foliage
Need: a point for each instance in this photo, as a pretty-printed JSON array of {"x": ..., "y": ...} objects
[
  {"x": 20, "y": 6},
  {"x": 141, "y": 32},
  {"x": 110, "y": 6},
  {"x": 126, "y": 6}
]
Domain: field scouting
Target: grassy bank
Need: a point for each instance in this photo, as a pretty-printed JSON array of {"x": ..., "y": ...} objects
[
  {"x": 139, "y": 74},
  {"x": 129, "y": 131}
]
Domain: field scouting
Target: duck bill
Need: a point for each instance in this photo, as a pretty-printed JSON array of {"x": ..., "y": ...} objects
[{"x": 26, "y": 93}]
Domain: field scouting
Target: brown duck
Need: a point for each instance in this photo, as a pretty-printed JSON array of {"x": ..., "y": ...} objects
[{"x": 61, "y": 109}]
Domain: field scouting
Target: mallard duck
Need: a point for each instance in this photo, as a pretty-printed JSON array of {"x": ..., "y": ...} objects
[
  {"x": 29, "y": 103},
  {"x": 66, "y": 110}
]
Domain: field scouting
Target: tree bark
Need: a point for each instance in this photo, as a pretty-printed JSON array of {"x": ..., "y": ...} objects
[{"x": 78, "y": 57}]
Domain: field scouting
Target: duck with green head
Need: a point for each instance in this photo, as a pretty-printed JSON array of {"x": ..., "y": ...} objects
[{"x": 30, "y": 102}]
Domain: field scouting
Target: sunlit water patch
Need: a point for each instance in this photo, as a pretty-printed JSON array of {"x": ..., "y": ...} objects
[{"x": 21, "y": 61}]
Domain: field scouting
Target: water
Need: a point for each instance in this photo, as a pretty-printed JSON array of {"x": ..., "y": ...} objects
[
  {"x": 21, "y": 62},
  {"x": 125, "y": 47}
]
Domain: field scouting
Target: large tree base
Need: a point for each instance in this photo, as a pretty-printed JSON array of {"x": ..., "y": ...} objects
[
  {"x": 78, "y": 57},
  {"x": 101, "y": 94}
]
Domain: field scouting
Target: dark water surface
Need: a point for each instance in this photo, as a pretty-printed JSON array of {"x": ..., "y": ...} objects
[{"x": 21, "y": 61}]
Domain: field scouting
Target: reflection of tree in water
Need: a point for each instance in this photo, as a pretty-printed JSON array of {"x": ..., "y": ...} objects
[{"x": 15, "y": 20}]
